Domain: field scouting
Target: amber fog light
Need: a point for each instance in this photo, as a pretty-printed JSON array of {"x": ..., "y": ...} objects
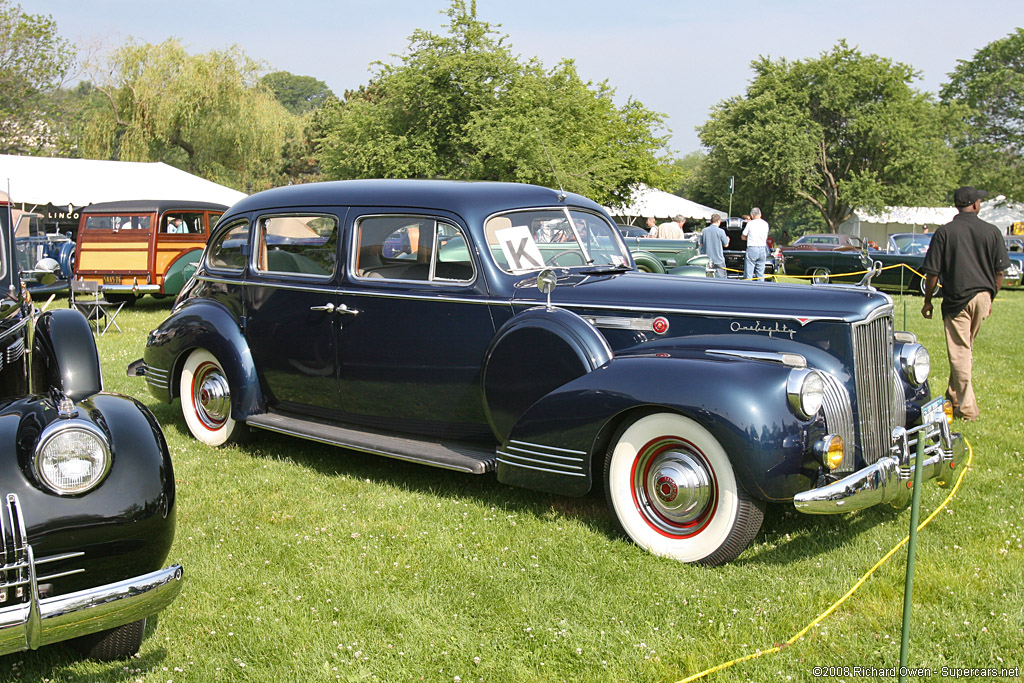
[
  {"x": 947, "y": 409},
  {"x": 830, "y": 451},
  {"x": 71, "y": 458}
]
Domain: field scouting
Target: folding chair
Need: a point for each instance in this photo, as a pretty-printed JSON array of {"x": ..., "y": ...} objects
[{"x": 94, "y": 306}]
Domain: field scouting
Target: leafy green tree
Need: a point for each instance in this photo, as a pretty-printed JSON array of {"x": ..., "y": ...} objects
[
  {"x": 206, "y": 114},
  {"x": 992, "y": 86},
  {"x": 297, "y": 94},
  {"x": 463, "y": 106},
  {"x": 34, "y": 60},
  {"x": 839, "y": 132}
]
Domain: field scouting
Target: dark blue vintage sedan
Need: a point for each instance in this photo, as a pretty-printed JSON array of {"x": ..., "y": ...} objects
[{"x": 492, "y": 327}]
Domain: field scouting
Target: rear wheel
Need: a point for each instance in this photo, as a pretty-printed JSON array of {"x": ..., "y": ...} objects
[
  {"x": 117, "y": 643},
  {"x": 820, "y": 276},
  {"x": 673, "y": 491},
  {"x": 206, "y": 400}
]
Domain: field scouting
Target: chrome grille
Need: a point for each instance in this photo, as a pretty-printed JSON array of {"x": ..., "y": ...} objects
[
  {"x": 20, "y": 571},
  {"x": 873, "y": 373},
  {"x": 16, "y": 350},
  {"x": 839, "y": 418}
]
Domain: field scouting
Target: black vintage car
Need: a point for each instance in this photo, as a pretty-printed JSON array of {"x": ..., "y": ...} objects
[
  {"x": 87, "y": 510},
  {"x": 495, "y": 327}
]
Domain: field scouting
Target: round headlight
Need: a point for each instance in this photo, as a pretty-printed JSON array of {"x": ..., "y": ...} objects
[
  {"x": 916, "y": 363},
  {"x": 806, "y": 391},
  {"x": 72, "y": 457}
]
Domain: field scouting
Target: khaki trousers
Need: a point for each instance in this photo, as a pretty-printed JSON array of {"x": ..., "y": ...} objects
[{"x": 961, "y": 330}]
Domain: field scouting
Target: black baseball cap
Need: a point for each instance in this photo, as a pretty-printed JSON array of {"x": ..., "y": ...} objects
[{"x": 965, "y": 196}]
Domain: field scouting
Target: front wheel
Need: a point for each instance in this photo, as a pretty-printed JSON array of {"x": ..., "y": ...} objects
[
  {"x": 820, "y": 276},
  {"x": 117, "y": 643},
  {"x": 673, "y": 491},
  {"x": 206, "y": 400}
]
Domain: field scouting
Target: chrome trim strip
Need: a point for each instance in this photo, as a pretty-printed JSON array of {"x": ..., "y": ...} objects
[
  {"x": 550, "y": 448},
  {"x": 540, "y": 462},
  {"x": 568, "y": 458},
  {"x": 790, "y": 360},
  {"x": 621, "y": 323},
  {"x": 541, "y": 469},
  {"x": 15, "y": 329}
]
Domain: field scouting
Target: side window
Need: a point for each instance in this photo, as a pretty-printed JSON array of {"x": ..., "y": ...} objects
[
  {"x": 411, "y": 248},
  {"x": 301, "y": 245},
  {"x": 182, "y": 223},
  {"x": 230, "y": 249}
]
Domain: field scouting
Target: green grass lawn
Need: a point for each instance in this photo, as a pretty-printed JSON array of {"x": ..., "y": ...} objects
[{"x": 309, "y": 563}]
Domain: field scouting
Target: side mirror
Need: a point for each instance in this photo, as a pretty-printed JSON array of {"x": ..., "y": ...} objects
[{"x": 546, "y": 282}]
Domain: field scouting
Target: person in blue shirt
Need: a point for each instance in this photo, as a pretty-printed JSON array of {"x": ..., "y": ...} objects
[{"x": 713, "y": 242}]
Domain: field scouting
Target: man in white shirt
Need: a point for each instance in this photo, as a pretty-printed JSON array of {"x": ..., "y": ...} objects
[
  {"x": 673, "y": 230},
  {"x": 756, "y": 234}
]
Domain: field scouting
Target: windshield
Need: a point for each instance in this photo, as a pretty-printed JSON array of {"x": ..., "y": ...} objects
[
  {"x": 524, "y": 241},
  {"x": 912, "y": 244}
]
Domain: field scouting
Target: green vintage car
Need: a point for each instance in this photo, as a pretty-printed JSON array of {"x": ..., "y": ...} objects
[{"x": 656, "y": 255}]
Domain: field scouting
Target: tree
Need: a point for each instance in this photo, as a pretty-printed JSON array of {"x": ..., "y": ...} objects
[
  {"x": 992, "y": 86},
  {"x": 34, "y": 61},
  {"x": 463, "y": 106},
  {"x": 297, "y": 94},
  {"x": 839, "y": 132},
  {"x": 206, "y": 114}
]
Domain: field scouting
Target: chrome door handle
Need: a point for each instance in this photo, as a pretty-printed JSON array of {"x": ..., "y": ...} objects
[{"x": 331, "y": 308}]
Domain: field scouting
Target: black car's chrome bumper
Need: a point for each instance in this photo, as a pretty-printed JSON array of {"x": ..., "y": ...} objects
[
  {"x": 890, "y": 479},
  {"x": 32, "y": 621}
]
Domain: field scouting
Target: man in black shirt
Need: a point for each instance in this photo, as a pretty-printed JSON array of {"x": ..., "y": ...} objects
[{"x": 970, "y": 257}]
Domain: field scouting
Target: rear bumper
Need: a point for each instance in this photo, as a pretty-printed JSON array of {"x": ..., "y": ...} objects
[{"x": 890, "y": 480}]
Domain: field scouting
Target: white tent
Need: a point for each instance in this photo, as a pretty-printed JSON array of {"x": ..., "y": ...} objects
[
  {"x": 647, "y": 201},
  {"x": 878, "y": 227},
  {"x": 38, "y": 181},
  {"x": 1001, "y": 212}
]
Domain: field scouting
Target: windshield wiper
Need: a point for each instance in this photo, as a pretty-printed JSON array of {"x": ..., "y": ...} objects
[{"x": 606, "y": 269}]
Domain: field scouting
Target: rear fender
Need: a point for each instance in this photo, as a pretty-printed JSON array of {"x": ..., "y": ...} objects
[
  {"x": 180, "y": 271},
  {"x": 203, "y": 324},
  {"x": 741, "y": 402}
]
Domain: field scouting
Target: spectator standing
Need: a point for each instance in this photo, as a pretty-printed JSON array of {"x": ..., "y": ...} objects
[
  {"x": 713, "y": 241},
  {"x": 755, "y": 232},
  {"x": 673, "y": 230},
  {"x": 651, "y": 225},
  {"x": 970, "y": 257}
]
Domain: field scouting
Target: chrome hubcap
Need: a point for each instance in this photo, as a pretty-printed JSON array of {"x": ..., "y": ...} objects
[
  {"x": 675, "y": 490},
  {"x": 212, "y": 396}
]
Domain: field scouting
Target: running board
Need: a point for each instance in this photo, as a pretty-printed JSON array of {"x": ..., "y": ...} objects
[{"x": 451, "y": 455}]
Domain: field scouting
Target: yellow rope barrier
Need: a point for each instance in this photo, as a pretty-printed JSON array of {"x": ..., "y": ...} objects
[{"x": 821, "y": 617}]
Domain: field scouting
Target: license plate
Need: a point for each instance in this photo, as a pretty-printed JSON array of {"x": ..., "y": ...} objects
[
  {"x": 111, "y": 279},
  {"x": 932, "y": 410}
]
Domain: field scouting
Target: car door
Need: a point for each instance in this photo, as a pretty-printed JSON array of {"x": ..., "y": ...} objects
[
  {"x": 416, "y": 325},
  {"x": 292, "y": 297}
]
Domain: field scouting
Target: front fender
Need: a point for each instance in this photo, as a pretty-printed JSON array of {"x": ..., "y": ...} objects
[
  {"x": 202, "y": 324},
  {"x": 741, "y": 402},
  {"x": 64, "y": 355}
]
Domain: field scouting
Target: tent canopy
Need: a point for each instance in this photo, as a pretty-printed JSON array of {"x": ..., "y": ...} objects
[
  {"x": 647, "y": 201},
  {"x": 45, "y": 180}
]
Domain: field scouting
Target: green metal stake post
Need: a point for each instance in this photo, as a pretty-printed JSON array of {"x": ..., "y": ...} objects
[{"x": 915, "y": 511}]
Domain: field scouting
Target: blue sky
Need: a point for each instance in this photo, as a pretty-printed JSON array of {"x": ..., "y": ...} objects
[{"x": 676, "y": 57}]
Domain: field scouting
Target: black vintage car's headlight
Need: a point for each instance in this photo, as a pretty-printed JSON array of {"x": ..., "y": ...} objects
[
  {"x": 806, "y": 392},
  {"x": 72, "y": 457},
  {"x": 916, "y": 363}
]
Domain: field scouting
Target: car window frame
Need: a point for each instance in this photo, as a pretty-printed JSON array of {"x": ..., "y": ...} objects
[
  {"x": 352, "y": 246},
  {"x": 221, "y": 232},
  {"x": 255, "y": 236}
]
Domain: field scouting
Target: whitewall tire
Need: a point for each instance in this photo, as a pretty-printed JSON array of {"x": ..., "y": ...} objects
[
  {"x": 206, "y": 400},
  {"x": 673, "y": 491}
]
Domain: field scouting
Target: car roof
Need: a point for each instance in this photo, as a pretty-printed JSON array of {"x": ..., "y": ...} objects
[
  {"x": 150, "y": 206},
  {"x": 462, "y": 197}
]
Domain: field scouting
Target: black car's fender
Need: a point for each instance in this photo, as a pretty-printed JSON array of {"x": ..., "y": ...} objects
[
  {"x": 64, "y": 354},
  {"x": 203, "y": 324},
  {"x": 125, "y": 525},
  {"x": 741, "y": 402},
  {"x": 532, "y": 354}
]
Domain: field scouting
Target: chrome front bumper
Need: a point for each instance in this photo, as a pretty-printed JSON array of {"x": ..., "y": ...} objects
[
  {"x": 890, "y": 479},
  {"x": 32, "y": 621}
]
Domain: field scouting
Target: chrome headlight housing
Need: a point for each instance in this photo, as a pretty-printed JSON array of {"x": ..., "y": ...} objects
[
  {"x": 805, "y": 390},
  {"x": 916, "y": 363},
  {"x": 72, "y": 457}
]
